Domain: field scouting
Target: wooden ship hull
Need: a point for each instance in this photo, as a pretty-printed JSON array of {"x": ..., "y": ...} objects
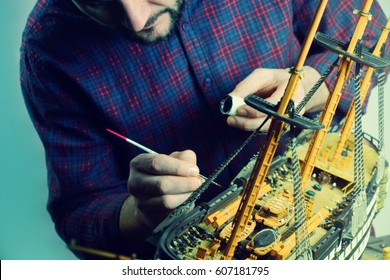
[{"x": 337, "y": 228}]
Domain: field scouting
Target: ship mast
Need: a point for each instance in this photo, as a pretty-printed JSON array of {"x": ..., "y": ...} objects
[
  {"x": 328, "y": 113},
  {"x": 365, "y": 85},
  {"x": 267, "y": 151}
]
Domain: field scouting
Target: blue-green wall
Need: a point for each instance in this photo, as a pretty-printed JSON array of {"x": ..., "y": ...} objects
[{"x": 26, "y": 231}]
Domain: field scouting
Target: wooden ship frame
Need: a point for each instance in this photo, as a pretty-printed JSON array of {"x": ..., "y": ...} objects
[{"x": 319, "y": 199}]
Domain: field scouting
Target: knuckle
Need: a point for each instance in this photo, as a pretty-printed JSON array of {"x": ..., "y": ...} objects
[
  {"x": 162, "y": 185},
  {"x": 257, "y": 71},
  {"x": 138, "y": 162},
  {"x": 134, "y": 162},
  {"x": 175, "y": 154},
  {"x": 132, "y": 186},
  {"x": 189, "y": 154},
  {"x": 156, "y": 163},
  {"x": 131, "y": 182}
]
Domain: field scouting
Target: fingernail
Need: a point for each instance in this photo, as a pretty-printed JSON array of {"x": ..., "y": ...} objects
[
  {"x": 242, "y": 112},
  {"x": 194, "y": 171},
  {"x": 231, "y": 121}
]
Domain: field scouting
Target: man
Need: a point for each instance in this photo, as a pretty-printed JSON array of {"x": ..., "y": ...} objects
[{"x": 156, "y": 71}]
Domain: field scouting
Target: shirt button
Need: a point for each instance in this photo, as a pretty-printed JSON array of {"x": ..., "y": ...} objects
[
  {"x": 185, "y": 25},
  {"x": 207, "y": 82}
]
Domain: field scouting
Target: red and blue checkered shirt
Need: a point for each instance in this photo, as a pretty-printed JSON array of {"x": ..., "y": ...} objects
[{"x": 79, "y": 77}]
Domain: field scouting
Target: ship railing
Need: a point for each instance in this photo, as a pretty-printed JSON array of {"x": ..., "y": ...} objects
[
  {"x": 348, "y": 188},
  {"x": 374, "y": 141}
]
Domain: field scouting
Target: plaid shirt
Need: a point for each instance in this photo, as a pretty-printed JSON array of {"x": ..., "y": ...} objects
[{"x": 79, "y": 77}]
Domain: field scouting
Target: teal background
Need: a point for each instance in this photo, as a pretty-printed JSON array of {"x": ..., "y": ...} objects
[{"x": 26, "y": 230}]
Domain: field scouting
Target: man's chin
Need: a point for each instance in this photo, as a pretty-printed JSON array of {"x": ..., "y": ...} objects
[
  {"x": 164, "y": 26},
  {"x": 152, "y": 36}
]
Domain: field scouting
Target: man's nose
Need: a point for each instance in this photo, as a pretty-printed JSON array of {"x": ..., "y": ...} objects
[{"x": 138, "y": 13}]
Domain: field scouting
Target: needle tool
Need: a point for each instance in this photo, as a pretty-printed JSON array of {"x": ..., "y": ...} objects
[{"x": 146, "y": 149}]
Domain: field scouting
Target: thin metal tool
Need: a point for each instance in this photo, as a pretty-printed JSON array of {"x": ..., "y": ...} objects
[{"x": 146, "y": 149}]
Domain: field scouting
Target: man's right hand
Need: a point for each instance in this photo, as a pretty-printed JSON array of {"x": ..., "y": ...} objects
[{"x": 157, "y": 184}]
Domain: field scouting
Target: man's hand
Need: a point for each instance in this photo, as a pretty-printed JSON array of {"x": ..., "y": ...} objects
[
  {"x": 270, "y": 84},
  {"x": 157, "y": 184}
]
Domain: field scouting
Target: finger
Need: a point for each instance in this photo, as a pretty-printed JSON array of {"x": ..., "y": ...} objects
[
  {"x": 247, "y": 124},
  {"x": 279, "y": 93},
  {"x": 261, "y": 81},
  {"x": 146, "y": 185},
  {"x": 187, "y": 155},
  {"x": 249, "y": 112},
  {"x": 251, "y": 84},
  {"x": 160, "y": 164}
]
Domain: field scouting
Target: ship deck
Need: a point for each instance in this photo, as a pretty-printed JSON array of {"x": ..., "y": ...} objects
[{"x": 335, "y": 183}]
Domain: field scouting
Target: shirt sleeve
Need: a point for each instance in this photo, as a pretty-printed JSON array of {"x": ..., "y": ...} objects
[
  {"x": 338, "y": 22},
  {"x": 86, "y": 183}
]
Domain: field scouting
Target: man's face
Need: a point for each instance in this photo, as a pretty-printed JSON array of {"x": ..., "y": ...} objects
[{"x": 147, "y": 20}]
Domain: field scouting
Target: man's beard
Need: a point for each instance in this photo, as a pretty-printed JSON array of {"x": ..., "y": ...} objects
[{"x": 150, "y": 36}]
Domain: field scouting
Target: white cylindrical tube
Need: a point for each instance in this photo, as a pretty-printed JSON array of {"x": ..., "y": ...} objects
[{"x": 230, "y": 104}]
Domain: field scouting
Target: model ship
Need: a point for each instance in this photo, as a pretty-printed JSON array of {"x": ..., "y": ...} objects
[{"x": 317, "y": 200}]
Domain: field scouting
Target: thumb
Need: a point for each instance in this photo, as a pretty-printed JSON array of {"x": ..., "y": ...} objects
[{"x": 251, "y": 84}]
